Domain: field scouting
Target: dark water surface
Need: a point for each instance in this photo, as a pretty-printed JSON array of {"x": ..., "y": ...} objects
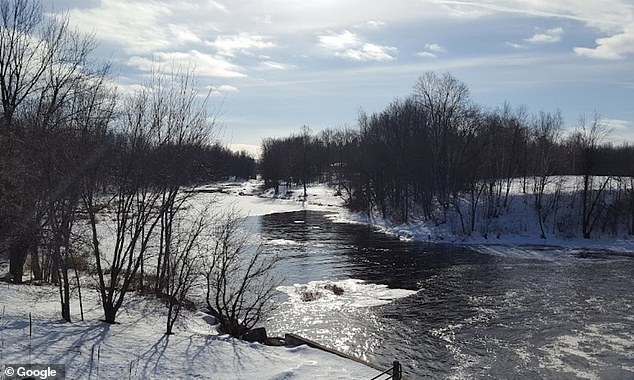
[{"x": 517, "y": 314}]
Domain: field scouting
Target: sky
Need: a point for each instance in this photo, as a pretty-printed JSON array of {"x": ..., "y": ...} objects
[{"x": 273, "y": 66}]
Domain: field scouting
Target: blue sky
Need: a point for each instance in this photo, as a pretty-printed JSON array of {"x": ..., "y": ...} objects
[{"x": 274, "y": 65}]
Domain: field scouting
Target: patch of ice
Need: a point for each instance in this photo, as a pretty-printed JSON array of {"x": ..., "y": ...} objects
[
  {"x": 282, "y": 242},
  {"x": 353, "y": 292}
]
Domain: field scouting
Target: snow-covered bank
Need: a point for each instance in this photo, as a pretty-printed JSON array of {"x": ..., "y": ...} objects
[
  {"x": 497, "y": 244},
  {"x": 249, "y": 199},
  {"x": 137, "y": 348},
  {"x": 519, "y": 229}
]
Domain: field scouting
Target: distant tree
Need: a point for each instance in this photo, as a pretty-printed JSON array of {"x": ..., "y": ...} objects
[
  {"x": 587, "y": 139},
  {"x": 444, "y": 100},
  {"x": 546, "y": 134}
]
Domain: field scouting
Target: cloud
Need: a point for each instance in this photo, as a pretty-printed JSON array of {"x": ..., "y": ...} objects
[
  {"x": 515, "y": 45},
  {"x": 426, "y": 54},
  {"x": 204, "y": 64},
  {"x": 547, "y": 37},
  {"x": 339, "y": 41},
  {"x": 135, "y": 25},
  {"x": 431, "y": 51},
  {"x": 620, "y": 130},
  {"x": 617, "y": 123},
  {"x": 371, "y": 52},
  {"x": 618, "y": 46},
  {"x": 272, "y": 65},
  {"x": 374, "y": 24},
  {"x": 350, "y": 46},
  {"x": 229, "y": 45},
  {"x": 435, "y": 48},
  {"x": 183, "y": 34},
  {"x": 222, "y": 89}
]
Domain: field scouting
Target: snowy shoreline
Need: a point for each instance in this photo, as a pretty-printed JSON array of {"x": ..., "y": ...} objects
[
  {"x": 138, "y": 348},
  {"x": 322, "y": 198}
]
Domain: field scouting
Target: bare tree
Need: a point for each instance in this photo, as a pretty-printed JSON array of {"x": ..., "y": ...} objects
[
  {"x": 445, "y": 100},
  {"x": 183, "y": 265},
  {"x": 180, "y": 116},
  {"x": 134, "y": 201},
  {"x": 588, "y": 139},
  {"x": 240, "y": 281},
  {"x": 43, "y": 69},
  {"x": 546, "y": 133}
]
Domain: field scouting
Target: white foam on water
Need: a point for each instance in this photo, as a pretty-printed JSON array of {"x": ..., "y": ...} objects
[
  {"x": 588, "y": 345},
  {"x": 282, "y": 242},
  {"x": 352, "y": 292}
]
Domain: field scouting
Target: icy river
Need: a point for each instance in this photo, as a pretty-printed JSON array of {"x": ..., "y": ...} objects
[{"x": 452, "y": 312}]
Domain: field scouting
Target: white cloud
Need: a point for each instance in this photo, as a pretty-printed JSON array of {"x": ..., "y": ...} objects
[
  {"x": 435, "y": 48},
  {"x": 222, "y": 90},
  {"x": 617, "y": 124},
  {"x": 617, "y": 46},
  {"x": 339, "y": 41},
  {"x": 431, "y": 51},
  {"x": 183, "y": 34},
  {"x": 135, "y": 25},
  {"x": 349, "y": 45},
  {"x": 547, "y": 37},
  {"x": 426, "y": 54},
  {"x": 272, "y": 65},
  {"x": 606, "y": 15},
  {"x": 370, "y": 52},
  {"x": 229, "y": 45},
  {"x": 515, "y": 45},
  {"x": 203, "y": 64},
  {"x": 374, "y": 24},
  {"x": 620, "y": 130}
]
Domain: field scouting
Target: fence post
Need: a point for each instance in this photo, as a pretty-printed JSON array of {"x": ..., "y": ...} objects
[{"x": 396, "y": 370}]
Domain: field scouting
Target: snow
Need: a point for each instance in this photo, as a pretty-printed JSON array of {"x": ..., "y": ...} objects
[
  {"x": 248, "y": 199},
  {"x": 136, "y": 348},
  {"x": 519, "y": 229},
  {"x": 354, "y": 293}
]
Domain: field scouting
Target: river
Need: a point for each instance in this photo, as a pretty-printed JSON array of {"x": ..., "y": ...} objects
[{"x": 448, "y": 311}]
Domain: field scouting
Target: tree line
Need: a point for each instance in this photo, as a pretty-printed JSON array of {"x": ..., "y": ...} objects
[
  {"x": 97, "y": 183},
  {"x": 439, "y": 156}
]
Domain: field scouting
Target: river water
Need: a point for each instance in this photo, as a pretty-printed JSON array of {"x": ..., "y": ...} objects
[{"x": 452, "y": 312}]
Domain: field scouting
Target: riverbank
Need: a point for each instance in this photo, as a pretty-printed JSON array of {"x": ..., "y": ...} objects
[
  {"x": 523, "y": 238},
  {"x": 136, "y": 347}
]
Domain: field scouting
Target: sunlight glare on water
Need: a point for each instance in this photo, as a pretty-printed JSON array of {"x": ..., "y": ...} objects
[{"x": 450, "y": 312}]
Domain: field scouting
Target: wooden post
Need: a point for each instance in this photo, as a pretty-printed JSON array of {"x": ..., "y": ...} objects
[{"x": 396, "y": 370}]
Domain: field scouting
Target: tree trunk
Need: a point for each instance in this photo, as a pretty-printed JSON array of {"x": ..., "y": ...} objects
[
  {"x": 17, "y": 259},
  {"x": 110, "y": 313},
  {"x": 36, "y": 269}
]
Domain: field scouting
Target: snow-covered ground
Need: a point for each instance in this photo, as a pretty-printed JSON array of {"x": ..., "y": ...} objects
[
  {"x": 521, "y": 230},
  {"x": 136, "y": 348}
]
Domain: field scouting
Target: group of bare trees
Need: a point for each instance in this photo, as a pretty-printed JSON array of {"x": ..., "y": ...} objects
[
  {"x": 293, "y": 160},
  {"x": 95, "y": 181},
  {"x": 438, "y": 155}
]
